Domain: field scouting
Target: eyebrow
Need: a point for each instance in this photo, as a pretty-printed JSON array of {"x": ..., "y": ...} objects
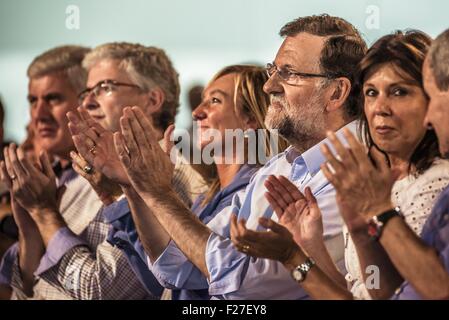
[
  {"x": 406, "y": 82},
  {"x": 218, "y": 91},
  {"x": 50, "y": 95}
]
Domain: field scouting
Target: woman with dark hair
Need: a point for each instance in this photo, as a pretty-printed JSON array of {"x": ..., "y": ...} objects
[{"x": 394, "y": 104}]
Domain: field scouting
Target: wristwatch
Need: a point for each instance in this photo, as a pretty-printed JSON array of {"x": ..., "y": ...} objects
[
  {"x": 300, "y": 272},
  {"x": 377, "y": 223}
]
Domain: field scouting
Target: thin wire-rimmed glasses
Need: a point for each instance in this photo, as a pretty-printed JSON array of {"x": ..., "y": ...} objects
[
  {"x": 104, "y": 88},
  {"x": 292, "y": 77}
]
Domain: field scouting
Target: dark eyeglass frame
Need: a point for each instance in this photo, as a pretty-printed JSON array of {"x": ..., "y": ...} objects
[
  {"x": 83, "y": 94},
  {"x": 285, "y": 74}
]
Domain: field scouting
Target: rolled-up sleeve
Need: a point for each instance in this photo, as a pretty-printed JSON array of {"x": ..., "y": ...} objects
[
  {"x": 174, "y": 271},
  {"x": 61, "y": 243}
]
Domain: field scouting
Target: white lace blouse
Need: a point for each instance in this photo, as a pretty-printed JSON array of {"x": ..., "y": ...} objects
[{"x": 416, "y": 197}]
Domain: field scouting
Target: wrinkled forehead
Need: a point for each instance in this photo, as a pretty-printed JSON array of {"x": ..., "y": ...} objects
[{"x": 301, "y": 51}]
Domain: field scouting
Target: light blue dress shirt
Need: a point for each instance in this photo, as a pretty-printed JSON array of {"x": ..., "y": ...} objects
[{"x": 234, "y": 275}]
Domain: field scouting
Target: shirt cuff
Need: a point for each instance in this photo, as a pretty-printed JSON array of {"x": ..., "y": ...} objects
[
  {"x": 7, "y": 264},
  {"x": 116, "y": 210},
  {"x": 227, "y": 267},
  {"x": 174, "y": 271},
  {"x": 59, "y": 245}
]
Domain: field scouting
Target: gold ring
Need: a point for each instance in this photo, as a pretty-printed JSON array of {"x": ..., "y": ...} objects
[{"x": 245, "y": 248}]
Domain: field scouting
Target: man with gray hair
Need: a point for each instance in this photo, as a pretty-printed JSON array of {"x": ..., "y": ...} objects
[
  {"x": 310, "y": 85},
  {"x": 120, "y": 75},
  {"x": 62, "y": 252}
]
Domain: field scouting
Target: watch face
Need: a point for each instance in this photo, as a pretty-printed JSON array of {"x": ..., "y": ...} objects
[{"x": 298, "y": 275}]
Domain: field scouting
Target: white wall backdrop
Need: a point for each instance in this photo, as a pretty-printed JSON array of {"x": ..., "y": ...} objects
[{"x": 200, "y": 36}]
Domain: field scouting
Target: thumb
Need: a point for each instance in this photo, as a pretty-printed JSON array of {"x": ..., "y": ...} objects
[{"x": 311, "y": 200}]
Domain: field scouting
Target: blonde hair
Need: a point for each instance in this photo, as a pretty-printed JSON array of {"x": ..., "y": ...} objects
[
  {"x": 148, "y": 67},
  {"x": 252, "y": 101},
  {"x": 64, "y": 59}
]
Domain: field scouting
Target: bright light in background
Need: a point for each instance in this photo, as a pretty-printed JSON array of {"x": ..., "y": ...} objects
[{"x": 200, "y": 36}]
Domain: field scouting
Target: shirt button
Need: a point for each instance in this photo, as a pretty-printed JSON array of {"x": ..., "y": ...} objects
[{"x": 349, "y": 277}]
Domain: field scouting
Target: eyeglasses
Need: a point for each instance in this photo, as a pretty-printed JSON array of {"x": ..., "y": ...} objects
[
  {"x": 104, "y": 88},
  {"x": 291, "y": 77}
]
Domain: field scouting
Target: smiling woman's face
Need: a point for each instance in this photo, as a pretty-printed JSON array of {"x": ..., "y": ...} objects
[
  {"x": 217, "y": 110},
  {"x": 395, "y": 107}
]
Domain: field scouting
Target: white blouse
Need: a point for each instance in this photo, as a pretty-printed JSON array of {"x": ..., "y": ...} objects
[{"x": 415, "y": 196}]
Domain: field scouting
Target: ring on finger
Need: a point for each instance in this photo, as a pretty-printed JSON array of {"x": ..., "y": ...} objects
[{"x": 88, "y": 169}]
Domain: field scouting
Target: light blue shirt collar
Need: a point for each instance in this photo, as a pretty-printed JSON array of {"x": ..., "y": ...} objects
[{"x": 313, "y": 158}]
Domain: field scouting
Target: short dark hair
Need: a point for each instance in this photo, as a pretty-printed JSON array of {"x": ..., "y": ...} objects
[
  {"x": 341, "y": 53},
  {"x": 406, "y": 51},
  {"x": 439, "y": 57}
]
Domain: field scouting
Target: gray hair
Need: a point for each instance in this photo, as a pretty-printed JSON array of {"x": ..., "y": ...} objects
[
  {"x": 66, "y": 59},
  {"x": 147, "y": 67},
  {"x": 439, "y": 58}
]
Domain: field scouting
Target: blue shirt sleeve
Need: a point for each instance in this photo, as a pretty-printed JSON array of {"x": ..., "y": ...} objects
[
  {"x": 174, "y": 271},
  {"x": 123, "y": 235},
  {"x": 59, "y": 245},
  {"x": 234, "y": 275}
]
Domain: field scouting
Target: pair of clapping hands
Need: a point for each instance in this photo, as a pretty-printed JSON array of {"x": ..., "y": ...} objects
[
  {"x": 129, "y": 158},
  {"x": 363, "y": 185}
]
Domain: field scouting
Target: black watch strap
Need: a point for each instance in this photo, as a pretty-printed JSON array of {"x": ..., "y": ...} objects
[{"x": 378, "y": 223}]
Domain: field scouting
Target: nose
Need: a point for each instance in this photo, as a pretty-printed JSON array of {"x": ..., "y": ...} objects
[
  {"x": 199, "y": 113},
  {"x": 41, "y": 112},
  {"x": 273, "y": 86},
  {"x": 382, "y": 106},
  {"x": 90, "y": 103}
]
